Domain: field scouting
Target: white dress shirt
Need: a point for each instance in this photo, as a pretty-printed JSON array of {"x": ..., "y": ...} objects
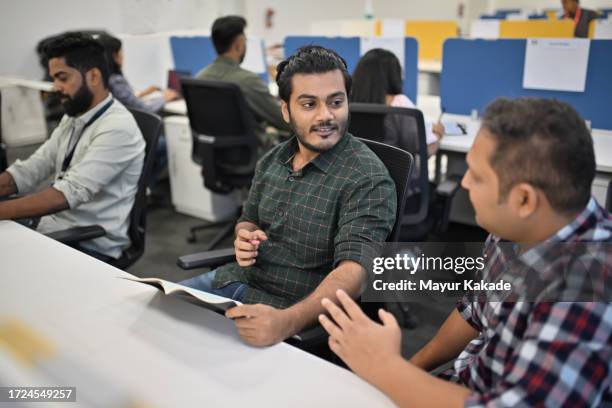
[{"x": 101, "y": 181}]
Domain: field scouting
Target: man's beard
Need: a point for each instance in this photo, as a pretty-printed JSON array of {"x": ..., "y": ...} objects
[
  {"x": 340, "y": 126},
  {"x": 79, "y": 103}
]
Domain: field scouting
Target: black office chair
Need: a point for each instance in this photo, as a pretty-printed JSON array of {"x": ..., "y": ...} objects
[
  {"x": 224, "y": 142},
  {"x": 428, "y": 206},
  {"x": 150, "y": 126},
  {"x": 609, "y": 198},
  {"x": 3, "y": 159},
  {"x": 399, "y": 163}
]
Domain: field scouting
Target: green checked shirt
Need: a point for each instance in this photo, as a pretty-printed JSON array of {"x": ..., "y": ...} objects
[{"x": 340, "y": 206}]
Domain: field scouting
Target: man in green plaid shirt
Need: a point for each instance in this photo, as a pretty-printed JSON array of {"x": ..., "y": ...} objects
[{"x": 319, "y": 206}]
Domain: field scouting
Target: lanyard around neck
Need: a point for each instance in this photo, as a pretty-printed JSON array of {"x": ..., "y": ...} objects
[
  {"x": 577, "y": 16},
  {"x": 69, "y": 154}
]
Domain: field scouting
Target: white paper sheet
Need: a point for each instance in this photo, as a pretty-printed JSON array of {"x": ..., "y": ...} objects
[
  {"x": 488, "y": 29},
  {"x": 393, "y": 27},
  {"x": 147, "y": 60},
  {"x": 395, "y": 45},
  {"x": 603, "y": 29},
  {"x": 556, "y": 64},
  {"x": 23, "y": 118},
  {"x": 254, "y": 58}
]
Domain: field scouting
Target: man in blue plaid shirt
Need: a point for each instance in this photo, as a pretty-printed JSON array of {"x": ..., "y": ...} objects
[{"x": 529, "y": 177}]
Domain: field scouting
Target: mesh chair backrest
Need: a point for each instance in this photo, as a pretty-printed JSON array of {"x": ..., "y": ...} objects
[
  {"x": 150, "y": 126},
  {"x": 223, "y": 133},
  {"x": 368, "y": 126},
  {"x": 372, "y": 121},
  {"x": 216, "y": 108},
  {"x": 400, "y": 164}
]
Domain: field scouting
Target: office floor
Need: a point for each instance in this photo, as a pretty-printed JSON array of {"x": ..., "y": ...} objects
[{"x": 167, "y": 240}]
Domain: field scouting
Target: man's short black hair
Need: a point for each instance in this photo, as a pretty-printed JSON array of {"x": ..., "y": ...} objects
[
  {"x": 225, "y": 30},
  {"x": 543, "y": 142},
  {"x": 80, "y": 51},
  {"x": 311, "y": 59}
]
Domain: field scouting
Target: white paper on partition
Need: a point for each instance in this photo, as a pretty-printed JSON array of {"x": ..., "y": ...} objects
[
  {"x": 147, "y": 60},
  {"x": 393, "y": 27},
  {"x": 395, "y": 45},
  {"x": 556, "y": 64},
  {"x": 488, "y": 29},
  {"x": 603, "y": 29},
  {"x": 254, "y": 58}
]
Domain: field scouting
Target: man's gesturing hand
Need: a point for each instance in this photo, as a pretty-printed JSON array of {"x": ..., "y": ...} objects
[
  {"x": 246, "y": 246},
  {"x": 364, "y": 345}
]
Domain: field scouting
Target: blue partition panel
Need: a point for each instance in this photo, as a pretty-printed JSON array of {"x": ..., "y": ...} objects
[
  {"x": 411, "y": 68},
  {"x": 349, "y": 49},
  {"x": 192, "y": 53},
  {"x": 478, "y": 71},
  {"x": 196, "y": 52}
]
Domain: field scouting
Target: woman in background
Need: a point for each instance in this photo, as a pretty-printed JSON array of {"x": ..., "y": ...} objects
[
  {"x": 378, "y": 79},
  {"x": 150, "y": 100}
]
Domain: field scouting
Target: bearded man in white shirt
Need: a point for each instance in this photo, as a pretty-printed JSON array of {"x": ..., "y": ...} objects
[{"x": 95, "y": 155}]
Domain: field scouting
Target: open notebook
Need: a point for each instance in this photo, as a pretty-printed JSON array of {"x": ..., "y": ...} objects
[{"x": 212, "y": 302}]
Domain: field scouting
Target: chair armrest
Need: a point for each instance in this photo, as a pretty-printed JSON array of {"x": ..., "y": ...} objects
[
  {"x": 447, "y": 188},
  {"x": 445, "y": 192},
  {"x": 206, "y": 259},
  {"x": 77, "y": 234},
  {"x": 309, "y": 338}
]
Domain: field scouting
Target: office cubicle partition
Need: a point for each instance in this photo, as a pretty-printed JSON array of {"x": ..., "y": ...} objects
[
  {"x": 478, "y": 71},
  {"x": 536, "y": 29},
  {"x": 349, "y": 48},
  {"x": 431, "y": 36},
  {"x": 192, "y": 53}
]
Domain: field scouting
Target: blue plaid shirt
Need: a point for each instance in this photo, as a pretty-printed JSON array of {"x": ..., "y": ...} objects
[{"x": 542, "y": 353}]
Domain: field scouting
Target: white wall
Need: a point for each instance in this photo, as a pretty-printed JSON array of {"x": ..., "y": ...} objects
[
  {"x": 25, "y": 22},
  {"x": 294, "y": 17},
  {"x": 542, "y": 4}
]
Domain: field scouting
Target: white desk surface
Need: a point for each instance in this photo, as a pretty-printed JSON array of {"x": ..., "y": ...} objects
[
  {"x": 28, "y": 83},
  {"x": 159, "y": 350},
  {"x": 430, "y": 66},
  {"x": 430, "y": 105},
  {"x": 178, "y": 107}
]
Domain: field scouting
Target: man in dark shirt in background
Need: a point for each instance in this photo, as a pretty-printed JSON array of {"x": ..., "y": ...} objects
[
  {"x": 582, "y": 17},
  {"x": 230, "y": 43}
]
